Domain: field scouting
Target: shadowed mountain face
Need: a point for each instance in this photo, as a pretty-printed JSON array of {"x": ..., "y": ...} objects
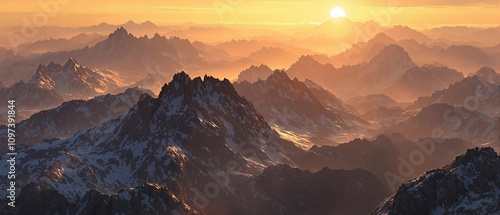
[
  {"x": 392, "y": 158},
  {"x": 293, "y": 191},
  {"x": 56, "y": 45},
  {"x": 145, "y": 199},
  {"x": 298, "y": 115},
  {"x": 469, "y": 185}
]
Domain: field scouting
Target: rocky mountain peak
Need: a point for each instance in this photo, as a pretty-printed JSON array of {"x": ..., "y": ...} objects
[
  {"x": 182, "y": 84},
  {"x": 120, "y": 34},
  {"x": 469, "y": 185},
  {"x": 71, "y": 63},
  {"x": 476, "y": 156}
]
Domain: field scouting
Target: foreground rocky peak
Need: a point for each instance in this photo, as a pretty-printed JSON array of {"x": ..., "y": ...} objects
[
  {"x": 469, "y": 185},
  {"x": 193, "y": 130}
]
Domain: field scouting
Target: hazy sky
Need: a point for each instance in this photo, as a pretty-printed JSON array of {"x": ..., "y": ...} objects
[{"x": 417, "y": 13}]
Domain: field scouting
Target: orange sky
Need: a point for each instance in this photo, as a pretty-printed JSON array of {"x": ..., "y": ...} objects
[{"x": 416, "y": 13}]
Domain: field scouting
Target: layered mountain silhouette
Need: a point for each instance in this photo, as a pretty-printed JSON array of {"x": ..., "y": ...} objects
[
  {"x": 56, "y": 45},
  {"x": 383, "y": 70},
  {"x": 467, "y": 58},
  {"x": 151, "y": 82},
  {"x": 292, "y": 108},
  {"x": 369, "y": 102},
  {"x": 473, "y": 93},
  {"x": 447, "y": 121},
  {"x": 422, "y": 81},
  {"x": 275, "y": 56},
  {"x": 132, "y": 56},
  {"x": 469, "y": 185},
  {"x": 386, "y": 116},
  {"x": 255, "y": 73}
]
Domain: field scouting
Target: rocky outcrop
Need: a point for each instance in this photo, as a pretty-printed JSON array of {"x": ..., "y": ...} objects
[{"x": 469, "y": 185}]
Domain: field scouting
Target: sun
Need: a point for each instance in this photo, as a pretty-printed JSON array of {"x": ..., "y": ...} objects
[{"x": 337, "y": 12}]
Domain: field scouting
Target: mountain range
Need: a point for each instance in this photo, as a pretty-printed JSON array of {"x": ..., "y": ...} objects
[
  {"x": 347, "y": 124},
  {"x": 53, "y": 84},
  {"x": 202, "y": 148},
  {"x": 422, "y": 81}
]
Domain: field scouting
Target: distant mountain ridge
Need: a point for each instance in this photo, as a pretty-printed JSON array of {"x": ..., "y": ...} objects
[
  {"x": 422, "y": 81},
  {"x": 387, "y": 67},
  {"x": 474, "y": 93}
]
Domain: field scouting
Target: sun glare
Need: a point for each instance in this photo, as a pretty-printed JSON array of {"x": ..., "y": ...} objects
[{"x": 337, "y": 12}]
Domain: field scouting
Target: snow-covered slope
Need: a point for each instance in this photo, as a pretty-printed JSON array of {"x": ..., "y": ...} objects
[
  {"x": 53, "y": 84},
  {"x": 469, "y": 185},
  {"x": 75, "y": 81}
]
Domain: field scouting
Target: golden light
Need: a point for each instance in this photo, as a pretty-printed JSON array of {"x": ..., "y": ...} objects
[{"x": 337, "y": 12}]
